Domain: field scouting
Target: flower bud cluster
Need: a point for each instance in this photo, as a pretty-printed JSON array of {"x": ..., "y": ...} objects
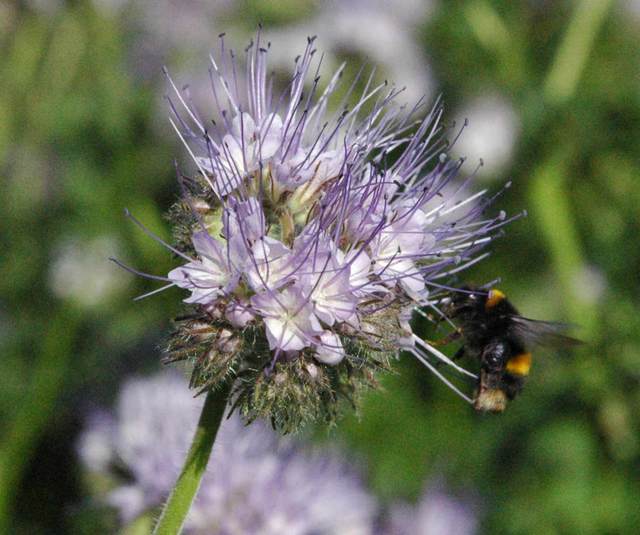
[{"x": 309, "y": 236}]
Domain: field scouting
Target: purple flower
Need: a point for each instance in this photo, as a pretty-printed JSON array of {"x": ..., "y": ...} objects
[
  {"x": 260, "y": 485},
  {"x": 288, "y": 317},
  {"x": 148, "y": 437},
  {"x": 211, "y": 276},
  {"x": 255, "y": 483},
  {"x": 436, "y": 513},
  {"x": 319, "y": 231}
]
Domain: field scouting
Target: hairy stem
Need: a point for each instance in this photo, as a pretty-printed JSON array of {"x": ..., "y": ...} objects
[{"x": 179, "y": 502}]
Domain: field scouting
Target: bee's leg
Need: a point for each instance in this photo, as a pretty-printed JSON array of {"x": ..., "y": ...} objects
[
  {"x": 458, "y": 355},
  {"x": 451, "y": 337}
]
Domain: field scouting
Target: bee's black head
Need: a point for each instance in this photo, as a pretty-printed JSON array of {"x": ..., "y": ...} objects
[{"x": 466, "y": 301}]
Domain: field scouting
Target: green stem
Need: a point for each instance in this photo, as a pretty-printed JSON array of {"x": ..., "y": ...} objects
[
  {"x": 179, "y": 502},
  {"x": 548, "y": 190},
  {"x": 573, "y": 52},
  {"x": 497, "y": 38},
  {"x": 549, "y": 198}
]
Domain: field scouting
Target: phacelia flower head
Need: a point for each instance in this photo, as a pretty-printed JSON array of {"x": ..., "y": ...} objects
[
  {"x": 310, "y": 233},
  {"x": 256, "y": 482}
]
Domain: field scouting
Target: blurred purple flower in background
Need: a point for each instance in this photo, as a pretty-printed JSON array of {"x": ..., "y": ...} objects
[
  {"x": 147, "y": 438},
  {"x": 386, "y": 33},
  {"x": 436, "y": 513},
  {"x": 78, "y": 271},
  {"x": 256, "y": 482},
  {"x": 491, "y": 134}
]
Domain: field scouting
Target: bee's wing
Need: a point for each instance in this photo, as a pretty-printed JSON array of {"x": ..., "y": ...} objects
[{"x": 547, "y": 333}]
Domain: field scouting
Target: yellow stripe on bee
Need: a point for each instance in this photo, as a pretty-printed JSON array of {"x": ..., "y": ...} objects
[
  {"x": 520, "y": 364},
  {"x": 494, "y": 297}
]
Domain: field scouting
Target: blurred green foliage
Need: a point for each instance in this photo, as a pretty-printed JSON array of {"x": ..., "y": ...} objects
[{"x": 80, "y": 141}]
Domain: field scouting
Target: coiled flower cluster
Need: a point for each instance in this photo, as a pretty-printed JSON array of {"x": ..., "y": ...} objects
[{"x": 310, "y": 233}]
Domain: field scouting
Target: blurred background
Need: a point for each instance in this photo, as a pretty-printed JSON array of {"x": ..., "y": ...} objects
[{"x": 551, "y": 92}]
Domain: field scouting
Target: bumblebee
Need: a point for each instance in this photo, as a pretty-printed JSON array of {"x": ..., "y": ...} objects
[{"x": 495, "y": 334}]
